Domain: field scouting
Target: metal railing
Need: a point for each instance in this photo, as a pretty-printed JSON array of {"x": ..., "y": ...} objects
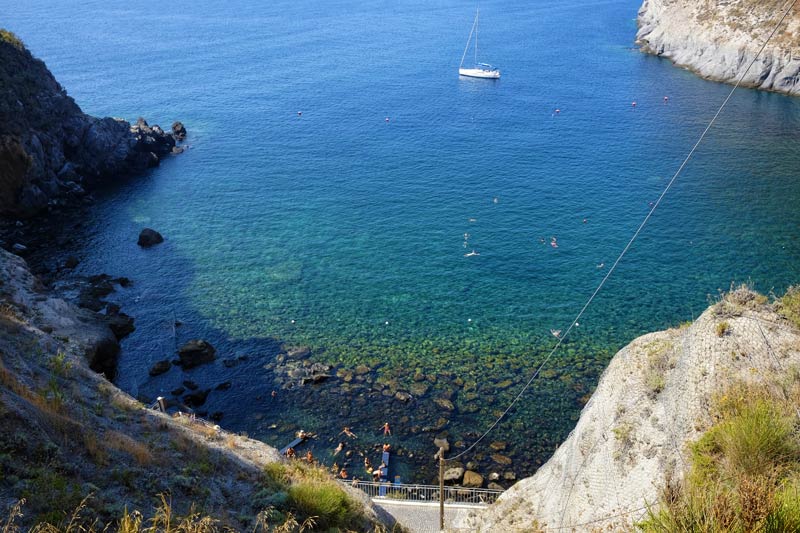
[{"x": 426, "y": 493}]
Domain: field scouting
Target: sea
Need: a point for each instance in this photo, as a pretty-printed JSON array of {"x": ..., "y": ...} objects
[{"x": 339, "y": 175}]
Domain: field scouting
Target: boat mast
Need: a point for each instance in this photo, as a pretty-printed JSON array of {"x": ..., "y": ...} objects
[
  {"x": 477, "y": 12},
  {"x": 464, "y": 55}
]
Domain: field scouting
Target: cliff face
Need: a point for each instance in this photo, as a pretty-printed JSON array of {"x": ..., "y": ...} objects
[
  {"x": 652, "y": 400},
  {"x": 719, "y": 39},
  {"x": 50, "y": 149}
]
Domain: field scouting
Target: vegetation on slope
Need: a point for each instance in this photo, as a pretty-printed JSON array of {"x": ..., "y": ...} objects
[
  {"x": 745, "y": 470},
  {"x": 71, "y": 441}
]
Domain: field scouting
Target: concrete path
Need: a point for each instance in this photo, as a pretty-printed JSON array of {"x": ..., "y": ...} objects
[{"x": 419, "y": 517}]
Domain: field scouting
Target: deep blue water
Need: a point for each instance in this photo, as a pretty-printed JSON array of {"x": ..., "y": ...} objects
[{"x": 345, "y": 232}]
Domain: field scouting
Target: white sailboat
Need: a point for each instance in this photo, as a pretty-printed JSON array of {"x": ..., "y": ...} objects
[{"x": 480, "y": 70}]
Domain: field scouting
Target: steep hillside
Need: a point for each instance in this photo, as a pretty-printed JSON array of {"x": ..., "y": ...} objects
[
  {"x": 68, "y": 434},
  {"x": 719, "y": 39},
  {"x": 50, "y": 151},
  {"x": 654, "y": 399}
]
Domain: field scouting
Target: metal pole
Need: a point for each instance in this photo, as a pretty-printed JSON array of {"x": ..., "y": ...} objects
[{"x": 441, "y": 489}]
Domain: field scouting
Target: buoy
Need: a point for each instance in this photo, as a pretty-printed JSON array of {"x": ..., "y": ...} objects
[
  {"x": 469, "y": 320},
  {"x": 558, "y": 111},
  {"x": 666, "y": 99},
  {"x": 299, "y": 113},
  {"x": 387, "y": 322},
  {"x": 633, "y": 104},
  {"x": 387, "y": 119},
  {"x": 292, "y": 321}
]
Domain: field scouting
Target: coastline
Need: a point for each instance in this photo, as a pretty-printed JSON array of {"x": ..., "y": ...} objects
[{"x": 718, "y": 43}]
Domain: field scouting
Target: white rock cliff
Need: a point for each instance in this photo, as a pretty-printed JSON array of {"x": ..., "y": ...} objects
[
  {"x": 718, "y": 39},
  {"x": 652, "y": 400}
]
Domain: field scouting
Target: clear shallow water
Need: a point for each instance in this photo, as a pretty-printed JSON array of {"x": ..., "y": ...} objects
[{"x": 319, "y": 229}]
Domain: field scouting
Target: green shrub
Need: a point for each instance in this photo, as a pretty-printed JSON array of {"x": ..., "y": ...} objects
[
  {"x": 745, "y": 470},
  {"x": 789, "y": 305},
  {"x": 324, "y": 500}
]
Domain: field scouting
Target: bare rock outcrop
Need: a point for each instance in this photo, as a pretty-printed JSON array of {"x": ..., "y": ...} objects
[
  {"x": 718, "y": 40},
  {"x": 50, "y": 151},
  {"x": 652, "y": 400}
]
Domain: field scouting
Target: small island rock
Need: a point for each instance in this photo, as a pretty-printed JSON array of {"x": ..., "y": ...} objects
[{"x": 149, "y": 237}]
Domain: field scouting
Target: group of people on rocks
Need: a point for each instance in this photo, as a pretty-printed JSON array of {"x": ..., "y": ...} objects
[{"x": 376, "y": 473}]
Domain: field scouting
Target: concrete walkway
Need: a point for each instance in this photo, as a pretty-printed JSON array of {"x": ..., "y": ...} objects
[{"x": 419, "y": 517}]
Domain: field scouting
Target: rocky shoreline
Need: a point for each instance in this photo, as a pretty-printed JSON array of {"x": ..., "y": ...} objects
[
  {"x": 718, "y": 41},
  {"x": 51, "y": 152}
]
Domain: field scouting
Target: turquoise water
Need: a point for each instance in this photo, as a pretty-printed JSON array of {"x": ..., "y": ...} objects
[{"x": 345, "y": 232}]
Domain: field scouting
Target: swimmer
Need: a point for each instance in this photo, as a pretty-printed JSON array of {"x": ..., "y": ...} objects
[
  {"x": 339, "y": 448},
  {"x": 386, "y": 429},
  {"x": 470, "y": 254},
  {"x": 347, "y": 432},
  {"x": 556, "y": 333},
  {"x": 601, "y": 265}
]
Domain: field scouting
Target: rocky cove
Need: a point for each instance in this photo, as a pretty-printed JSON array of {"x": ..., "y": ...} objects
[{"x": 420, "y": 403}]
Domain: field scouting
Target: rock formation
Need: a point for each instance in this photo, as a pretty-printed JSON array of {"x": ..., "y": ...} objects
[
  {"x": 652, "y": 400},
  {"x": 718, "y": 40},
  {"x": 50, "y": 151}
]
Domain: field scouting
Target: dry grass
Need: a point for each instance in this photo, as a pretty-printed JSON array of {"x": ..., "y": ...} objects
[
  {"x": 745, "y": 469},
  {"x": 121, "y": 442}
]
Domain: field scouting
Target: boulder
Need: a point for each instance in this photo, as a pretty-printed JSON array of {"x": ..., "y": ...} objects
[
  {"x": 495, "y": 486},
  {"x": 149, "y": 237},
  {"x": 298, "y": 352},
  {"x": 402, "y": 396},
  {"x": 501, "y": 459},
  {"x": 445, "y": 404},
  {"x": 196, "y": 352},
  {"x": 196, "y": 398},
  {"x": 472, "y": 479},
  {"x": 160, "y": 367},
  {"x": 178, "y": 131},
  {"x": 121, "y": 324},
  {"x": 441, "y": 442},
  {"x": 453, "y": 474}
]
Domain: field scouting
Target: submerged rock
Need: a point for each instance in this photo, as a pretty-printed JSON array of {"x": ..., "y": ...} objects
[
  {"x": 160, "y": 367},
  {"x": 196, "y": 352}
]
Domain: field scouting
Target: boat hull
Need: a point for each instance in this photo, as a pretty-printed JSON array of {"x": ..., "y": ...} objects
[{"x": 479, "y": 73}]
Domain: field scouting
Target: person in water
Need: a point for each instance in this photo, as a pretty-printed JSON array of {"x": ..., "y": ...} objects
[
  {"x": 339, "y": 448},
  {"x": 347, "y": 432},
  {"x": 386, "y": 429},
  {"x": 309, "y": 457},
  {"x": 290, "y": 453}
]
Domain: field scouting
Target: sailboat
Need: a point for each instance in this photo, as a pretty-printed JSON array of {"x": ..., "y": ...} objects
[{"x": 480, "y": 70}]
